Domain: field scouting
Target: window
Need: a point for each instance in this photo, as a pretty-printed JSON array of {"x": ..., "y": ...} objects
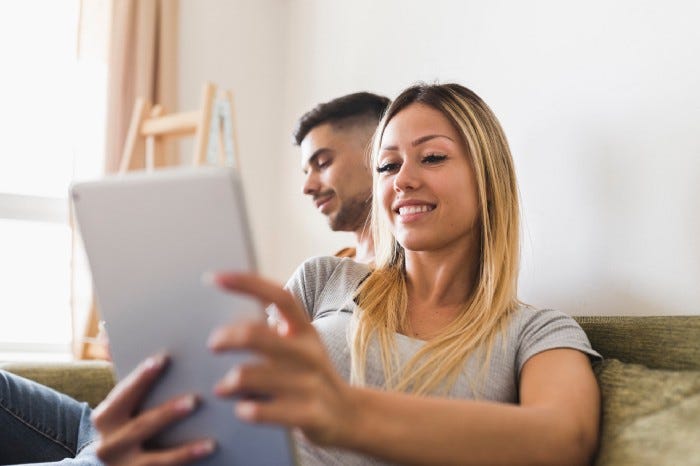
[{"x": 52, "y": 120}]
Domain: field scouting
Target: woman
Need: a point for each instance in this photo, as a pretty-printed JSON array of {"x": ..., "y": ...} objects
[{"x": 429, "y": 358}]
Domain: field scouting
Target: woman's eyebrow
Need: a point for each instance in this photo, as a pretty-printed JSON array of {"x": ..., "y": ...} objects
[
  {"x": 428, "y": 137},
  {"x": 418, "y": 141}
]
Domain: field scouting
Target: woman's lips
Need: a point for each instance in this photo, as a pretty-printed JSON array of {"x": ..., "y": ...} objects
[{"x": 413, "y": 212}]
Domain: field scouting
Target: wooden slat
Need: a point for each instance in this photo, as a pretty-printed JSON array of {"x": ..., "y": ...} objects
[
  {"x": 141, "y": 109},
  {"x": 202, "y": 137},
  {"x": 176, "y": 124}
]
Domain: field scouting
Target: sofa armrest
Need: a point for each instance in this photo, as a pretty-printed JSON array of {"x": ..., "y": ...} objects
[{"x": 88, "y": 381}]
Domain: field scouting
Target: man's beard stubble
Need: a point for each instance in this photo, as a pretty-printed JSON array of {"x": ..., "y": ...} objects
[{"x": 353, "y": 213}]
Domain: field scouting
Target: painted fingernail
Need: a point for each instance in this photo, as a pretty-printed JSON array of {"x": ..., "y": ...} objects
[
  {"x": 228, "y": 383},
  {"x": 245, "y": 409},
  {"x": 185, "y": 404},
  {"x": 233, "y": 378},
  {"x": 208, "y": 279},
  {"x": 203, "y": 448},
  {"x": 213, "y": 339},
  {"x": 155, "y": 362}
]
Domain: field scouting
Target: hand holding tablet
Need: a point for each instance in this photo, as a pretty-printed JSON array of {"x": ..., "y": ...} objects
[{"x": 149, "y": 239}]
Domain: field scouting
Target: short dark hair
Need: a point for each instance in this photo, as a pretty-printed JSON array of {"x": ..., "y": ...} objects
[{"x": 359, "y": 104}]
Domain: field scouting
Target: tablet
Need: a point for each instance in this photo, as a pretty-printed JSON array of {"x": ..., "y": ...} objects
[{"x": 149, "y": 238}]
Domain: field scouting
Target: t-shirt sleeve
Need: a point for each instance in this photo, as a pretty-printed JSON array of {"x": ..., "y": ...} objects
[
  {"x": 547, "y": 329},
  {"x": 307, "y": 283}
]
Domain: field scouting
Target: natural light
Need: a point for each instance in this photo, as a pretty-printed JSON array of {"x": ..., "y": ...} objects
[{"x": 50, "y": 138}]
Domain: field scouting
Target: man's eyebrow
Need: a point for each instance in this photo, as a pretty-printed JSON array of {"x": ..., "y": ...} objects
[{"x": 419, "y": 141}]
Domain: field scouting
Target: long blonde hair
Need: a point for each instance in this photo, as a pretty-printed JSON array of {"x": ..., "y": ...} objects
[{"x": 382, "y": 298}]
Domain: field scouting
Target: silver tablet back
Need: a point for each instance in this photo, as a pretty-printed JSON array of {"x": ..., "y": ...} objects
[{"x": 149, "y": 239}]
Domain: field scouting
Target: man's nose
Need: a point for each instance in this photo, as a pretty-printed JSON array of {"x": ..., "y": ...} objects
[{"x": 311, "y": 183}]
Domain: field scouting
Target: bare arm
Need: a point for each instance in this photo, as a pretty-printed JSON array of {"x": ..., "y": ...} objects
[{"x": 556, "y": 421}]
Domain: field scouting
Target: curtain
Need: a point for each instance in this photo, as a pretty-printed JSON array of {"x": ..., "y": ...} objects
[{"x": 142, "y": 62}]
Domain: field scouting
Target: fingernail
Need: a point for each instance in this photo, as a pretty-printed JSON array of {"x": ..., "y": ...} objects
[
  {"x": 233, "y": 378},
  {"x": 208, "y": 279},
  {"x": 245, "y": 409},
  {"x": 185, "y": 404},
  {"x": 155, "y": 362},
  {"x": 228, "y": 383},
  {"x": 213, "y": 339},
  {"x": 203, "y": 448}
]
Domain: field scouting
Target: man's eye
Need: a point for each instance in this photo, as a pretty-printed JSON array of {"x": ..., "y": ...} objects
[
  {"x": 321, "y": 164},
  {"x": 387, "y": 168},
  {"x": 434, "y": 158}
]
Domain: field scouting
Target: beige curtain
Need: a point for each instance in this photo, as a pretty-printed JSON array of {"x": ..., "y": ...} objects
[{"x": 142, "y": 63}]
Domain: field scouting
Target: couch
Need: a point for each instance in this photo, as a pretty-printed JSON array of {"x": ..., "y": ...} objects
[{"x": 649, "y": 381}]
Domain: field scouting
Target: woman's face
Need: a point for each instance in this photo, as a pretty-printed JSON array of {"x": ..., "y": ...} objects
[{"x": 426, "y": 182}]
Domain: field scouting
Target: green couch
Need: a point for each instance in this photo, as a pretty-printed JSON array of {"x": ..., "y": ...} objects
[{"x": 649, "y": 380}]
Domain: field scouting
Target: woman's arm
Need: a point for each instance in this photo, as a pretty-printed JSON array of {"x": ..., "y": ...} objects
[{"x": 555, "y": 423}]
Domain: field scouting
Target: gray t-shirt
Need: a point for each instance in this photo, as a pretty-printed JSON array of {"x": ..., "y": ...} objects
[{"x": 326, "y": 286}]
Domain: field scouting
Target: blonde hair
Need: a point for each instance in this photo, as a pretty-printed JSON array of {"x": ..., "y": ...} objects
[{"x": 382, "y": 298}]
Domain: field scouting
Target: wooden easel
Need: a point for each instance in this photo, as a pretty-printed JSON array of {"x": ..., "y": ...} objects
[
  {"x": 214, "y": 129},
  {"x": 213, "y": 123}
]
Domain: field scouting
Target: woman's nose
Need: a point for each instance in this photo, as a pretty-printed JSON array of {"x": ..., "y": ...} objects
[{"x": 406, "y": 179}]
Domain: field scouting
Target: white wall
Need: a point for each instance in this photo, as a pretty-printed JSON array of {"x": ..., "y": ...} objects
[
  {"x": 238, "y": 46},
  {"x": 599, "y": 100}
]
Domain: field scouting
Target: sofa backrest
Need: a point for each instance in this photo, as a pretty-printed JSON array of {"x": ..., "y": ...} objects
[{"x": 658, "y": 342}]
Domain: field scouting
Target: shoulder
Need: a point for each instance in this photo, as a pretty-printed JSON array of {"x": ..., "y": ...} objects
[
  {"x": 346, "y": 252},
  {"x": 538, "y": 330},
  {"x": 326, "y": 280},
  {"x": 528, "y": 318},
  {"x": 324, "y": 267}
]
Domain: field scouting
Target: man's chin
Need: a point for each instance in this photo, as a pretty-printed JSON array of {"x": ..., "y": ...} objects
[{"x": 334, "y": 225}]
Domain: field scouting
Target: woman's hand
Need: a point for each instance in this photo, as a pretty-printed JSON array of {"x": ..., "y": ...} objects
[
  {"x": 122, "y": 433},
  {"x": 294, "y": 381}
]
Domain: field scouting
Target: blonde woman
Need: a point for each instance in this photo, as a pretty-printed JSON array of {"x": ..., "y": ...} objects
[{"x": 429, "y": 357}]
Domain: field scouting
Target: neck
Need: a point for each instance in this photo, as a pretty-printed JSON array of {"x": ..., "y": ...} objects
[
  {"x": 443, "y": 278},
  {"x": 364, "y": 246}
]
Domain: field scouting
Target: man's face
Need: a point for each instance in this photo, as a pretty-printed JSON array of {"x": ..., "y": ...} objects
[{"x": 337, "y": 177}]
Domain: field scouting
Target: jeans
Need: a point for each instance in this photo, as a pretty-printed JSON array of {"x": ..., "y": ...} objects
[{"x": 41, "y": 425}]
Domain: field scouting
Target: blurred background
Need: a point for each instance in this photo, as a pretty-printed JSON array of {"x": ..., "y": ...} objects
[{"x": 599, "y": 100}]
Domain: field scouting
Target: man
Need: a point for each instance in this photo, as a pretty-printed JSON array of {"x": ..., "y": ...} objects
[{"x": 334, "y": 138}]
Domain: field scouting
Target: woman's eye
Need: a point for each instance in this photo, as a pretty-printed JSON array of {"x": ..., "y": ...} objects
[
  {"x": 321, "y": 164},
  {"x": 434, "y": 158},
  {"x": 387, "y": 167}
]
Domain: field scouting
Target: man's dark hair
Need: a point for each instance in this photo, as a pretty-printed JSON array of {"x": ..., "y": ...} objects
[{"x": 358, "y": 105}]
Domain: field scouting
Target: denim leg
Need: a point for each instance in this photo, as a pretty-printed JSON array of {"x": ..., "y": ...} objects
[{"x": 38, "y": 424}]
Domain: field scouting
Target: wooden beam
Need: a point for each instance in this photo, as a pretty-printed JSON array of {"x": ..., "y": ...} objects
[{"x": 177, "y": 124}]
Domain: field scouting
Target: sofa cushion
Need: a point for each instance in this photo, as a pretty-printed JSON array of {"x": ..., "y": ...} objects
[
  {"x": 658, "y": 342},
  {"x": 88, "y": 381},
  {"x": 650, "y": 416}
]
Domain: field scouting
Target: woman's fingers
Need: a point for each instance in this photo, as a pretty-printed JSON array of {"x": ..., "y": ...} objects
[
  {"x": 267, "y": 292},
  {"x": 144, "y": 426},
  {"x": 128, "y": 394},
  {"x": 267, "y": 380},
  {"x": 310, "y": 417},
  {"x": 261, "y": 338},
  {"x": 181, "y": 455}
]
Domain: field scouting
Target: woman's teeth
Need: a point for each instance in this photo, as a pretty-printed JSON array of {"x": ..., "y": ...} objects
[{"x": 414, "y": 209}]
